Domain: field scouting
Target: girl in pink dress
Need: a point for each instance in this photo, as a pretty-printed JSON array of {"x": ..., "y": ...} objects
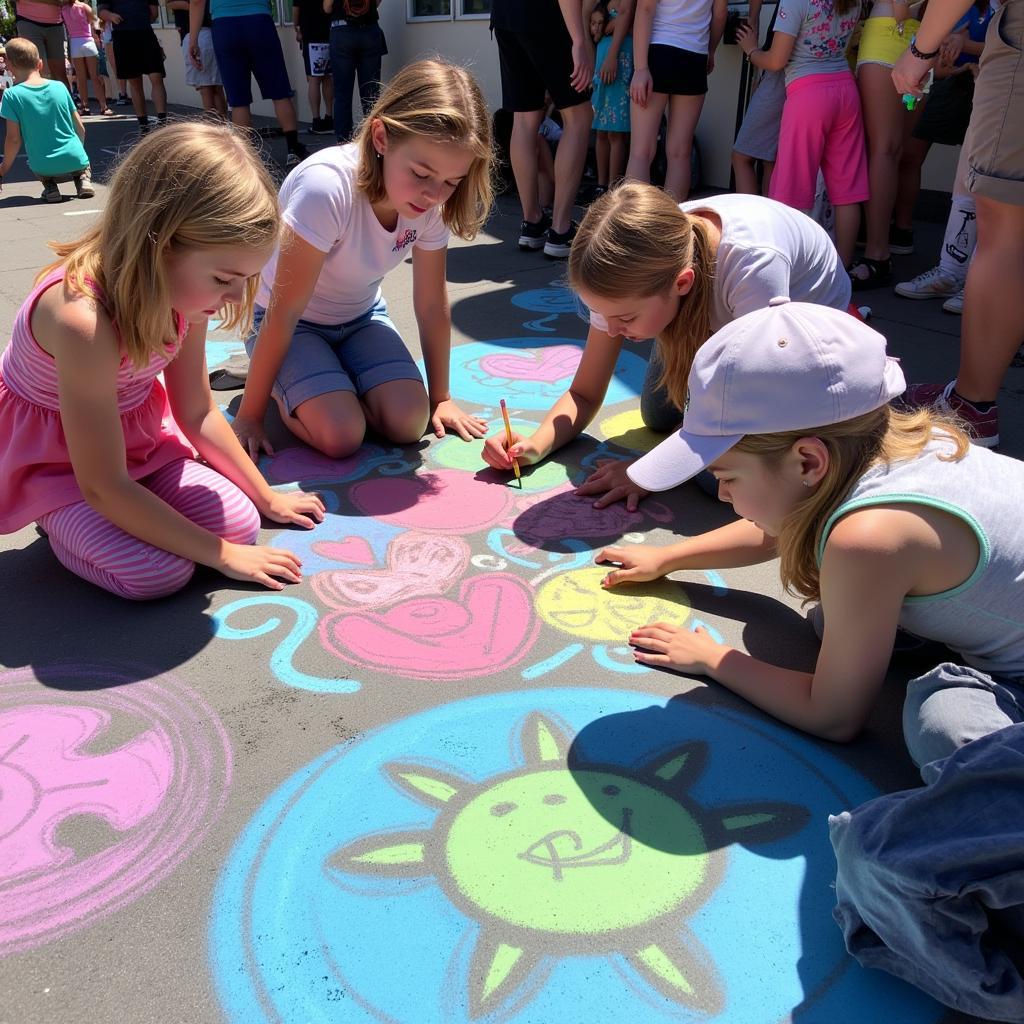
[{"x": 96, "y": 451}]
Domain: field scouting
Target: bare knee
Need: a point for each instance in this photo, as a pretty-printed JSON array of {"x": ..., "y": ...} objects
[
  {"x": 405, "y": 427},
  {"x": 337, "y": 440}
]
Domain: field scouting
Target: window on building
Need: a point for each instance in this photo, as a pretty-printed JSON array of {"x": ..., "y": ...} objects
[{"x": 429, "y": 10}]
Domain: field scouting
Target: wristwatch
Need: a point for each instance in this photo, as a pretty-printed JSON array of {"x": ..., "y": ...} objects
[{"x": 920, "y": 55}]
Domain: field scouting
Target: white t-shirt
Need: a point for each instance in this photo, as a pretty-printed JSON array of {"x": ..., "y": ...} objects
[
  {"x": 685, "y": 24},
  {"x": 323, "y": 206},
  {"x": 767, "y": 249}
]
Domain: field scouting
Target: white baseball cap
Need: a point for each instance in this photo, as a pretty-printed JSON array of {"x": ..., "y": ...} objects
[{"x": 791, "y": 366}]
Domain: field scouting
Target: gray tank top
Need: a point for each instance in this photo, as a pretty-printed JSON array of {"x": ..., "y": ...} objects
[{"x": 983, "y": 618}]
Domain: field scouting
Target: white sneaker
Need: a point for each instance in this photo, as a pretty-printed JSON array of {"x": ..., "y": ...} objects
[
  {"x": 955, "y": 304},
  {"x": 932, "y": 284}
]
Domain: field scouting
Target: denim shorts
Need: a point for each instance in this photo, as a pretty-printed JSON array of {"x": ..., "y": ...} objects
[{"x": 324, "y": 358}]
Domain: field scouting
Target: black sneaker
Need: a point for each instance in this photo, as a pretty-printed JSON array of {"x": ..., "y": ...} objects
[
  {"x": 559, "y": 244},
  {"x": 319, "y": 126},
  {"x": 532, "y": 234},
  {"x": 123, "y": 101},
  {"x": 328, "y": 125},
  {"x": 296, "y": 156},
  {"x": 901, "y": 241}
]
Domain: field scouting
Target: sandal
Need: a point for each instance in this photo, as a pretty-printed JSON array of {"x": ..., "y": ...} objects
[
  {"x": 107, "y": 112},
  {"x": 878, "y": 273}
]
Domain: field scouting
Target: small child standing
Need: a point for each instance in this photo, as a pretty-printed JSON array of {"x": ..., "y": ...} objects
[
  {"x": 41, "y": 114},
  {"x": 78, "y": 19},
  {"x": 610, "y": 29}
]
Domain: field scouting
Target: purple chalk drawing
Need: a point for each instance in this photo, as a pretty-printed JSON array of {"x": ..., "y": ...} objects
[
  {"x": 562, "y": 514},
  {"x": 545, "y": 366},
  {"x": 418, "y": 565},
  {"x": 489, "y": 626},
  {"x": 158, "y": 791},
  {"x": 442, "y": 501}
]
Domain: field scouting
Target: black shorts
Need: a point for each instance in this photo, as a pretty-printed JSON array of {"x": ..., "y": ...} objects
[
  {"x": 137, "y": 52},
  {"x": 677, "y": 72},
  {"x": 947, "y": 111},
  {"x": 535, "y": 62}
]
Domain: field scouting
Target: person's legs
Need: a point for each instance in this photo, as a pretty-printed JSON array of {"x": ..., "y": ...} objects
[
  {"x": 101, "y": 553},
  {"x": 343, "y": 72},
  {"x": 93, "y": 70},
  {"x": 683, "y": 115},
  {"x": 82, "y": 81},
  {"x": 843, "y": 157},
  {"x": 616, "y": 155},
  {"x": 745, "y": 173},
  {"x": 545, "y": 173},
  {"x": 569, "y": 160},
  {"x": 327, "y": 92},
  {"x": 644, "y": 124},
  {"x": 398, "y": 410},
  {"x": 158, "y": 93},
  {"x": 602, "y": 148},
  {"x": 883, "y": 121},
  {"x": 950, "y": 707},
  {"x": 522, "y": 153},
  {"x": 368, "y": 61},
  {"x": 210, "y": 500},
  {"x": 314, "y": 95},
  {"x": 993, "y": 324},
  {"x": 333, "y": 423},
  {"x": 657, "y": 410},
  {"x": 138, "y": 95},
  {"x": 284, "y": 111},
  {"x": 915, "y": 151}
]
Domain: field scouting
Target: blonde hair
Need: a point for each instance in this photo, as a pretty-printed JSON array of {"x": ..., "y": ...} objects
[
  {"x": 634, "y": 242},
  {"x": 442, "y": 102},
  {"x": 22, "y": 54},
  {"x": 192, "y": 185},
  {"x": 876, "y": 438}
]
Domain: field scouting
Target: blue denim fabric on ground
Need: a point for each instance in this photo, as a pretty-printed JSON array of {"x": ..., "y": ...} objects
[{"x": 930, "y": 882}]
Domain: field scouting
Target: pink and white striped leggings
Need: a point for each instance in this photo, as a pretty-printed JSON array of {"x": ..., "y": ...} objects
[{"x": 95, "y": 549}]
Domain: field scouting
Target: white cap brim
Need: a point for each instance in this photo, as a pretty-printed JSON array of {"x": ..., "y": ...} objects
[{"x": 678, "y": 458}]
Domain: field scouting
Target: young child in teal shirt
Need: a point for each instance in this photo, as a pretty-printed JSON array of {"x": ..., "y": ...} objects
[{"x": 41, "y": 114}]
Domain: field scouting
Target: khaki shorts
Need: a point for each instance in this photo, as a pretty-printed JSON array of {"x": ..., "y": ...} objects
[{"x": 995, "y": 138}]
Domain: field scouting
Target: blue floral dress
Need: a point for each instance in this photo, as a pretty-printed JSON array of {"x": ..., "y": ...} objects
[{"x": 611, "y": 102}]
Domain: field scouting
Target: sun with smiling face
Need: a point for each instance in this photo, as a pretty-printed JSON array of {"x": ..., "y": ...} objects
[{"x": 554, "y": 860}]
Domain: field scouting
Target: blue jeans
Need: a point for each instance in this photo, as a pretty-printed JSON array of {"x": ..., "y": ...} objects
[{"x": 356, "y": 50}]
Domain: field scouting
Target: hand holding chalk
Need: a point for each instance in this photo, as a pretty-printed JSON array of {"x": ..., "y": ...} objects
[{"x": 508, "y": 439}]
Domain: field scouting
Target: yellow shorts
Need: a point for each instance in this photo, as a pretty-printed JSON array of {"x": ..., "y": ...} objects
[{"x": 883, "y": 40}]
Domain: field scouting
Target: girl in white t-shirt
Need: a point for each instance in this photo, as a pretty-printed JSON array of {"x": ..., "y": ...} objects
[
  {"x": 323, "y": 344},
  {"x": 645, "y": 268},
  {"x": 674, "y": 43}
]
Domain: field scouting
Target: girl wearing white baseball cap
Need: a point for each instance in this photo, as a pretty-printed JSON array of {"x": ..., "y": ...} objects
[
  {"x": 887, "y": 518},
  {"x": 648, "y": 268}
]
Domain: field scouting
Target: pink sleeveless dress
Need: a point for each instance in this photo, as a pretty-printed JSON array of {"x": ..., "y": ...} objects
[{"x": 36, "y": 475}]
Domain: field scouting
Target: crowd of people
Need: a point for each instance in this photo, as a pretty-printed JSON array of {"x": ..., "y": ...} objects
[{"x": 882, "y": 512}]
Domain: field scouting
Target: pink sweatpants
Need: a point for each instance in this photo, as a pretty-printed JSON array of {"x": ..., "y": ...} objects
[{"x": 95, "y": 549}]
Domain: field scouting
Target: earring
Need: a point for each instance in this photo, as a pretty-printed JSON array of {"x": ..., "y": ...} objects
[
  {"x": 380, "y": 155},
  {"x": 807, "y": 483}
]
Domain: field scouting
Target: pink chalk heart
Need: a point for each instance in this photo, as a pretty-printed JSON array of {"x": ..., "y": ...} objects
[
  {"x": 442, "y": 501},
  {"x": 352, "y": 550},
  {"x": 418, "y": 564},
  {"x": 545, "y": 366},
  {"x": 490, "y": 627},
  {"x": 302, "y": 463}
]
